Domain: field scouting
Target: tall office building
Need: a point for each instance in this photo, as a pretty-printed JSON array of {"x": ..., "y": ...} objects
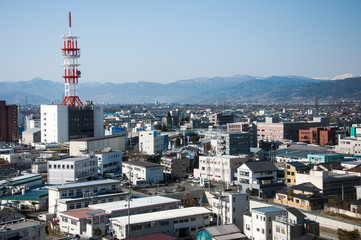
[{"x": 8, "y": 122}]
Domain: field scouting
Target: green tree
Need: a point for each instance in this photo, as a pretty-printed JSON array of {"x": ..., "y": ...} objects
[
  {"x": 348, "y": 235},
  {"x": 195, "y": 139},
  {"x": 158, "y": 126},
  {"x": 177, "y": 141},
  {"x": 164, "y": 128}
]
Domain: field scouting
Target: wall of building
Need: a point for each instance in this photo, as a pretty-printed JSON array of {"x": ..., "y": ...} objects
[{"x": 54, "y": 123}]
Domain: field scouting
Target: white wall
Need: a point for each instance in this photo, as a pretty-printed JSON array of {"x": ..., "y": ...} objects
[{"x": 54, "y": 123}]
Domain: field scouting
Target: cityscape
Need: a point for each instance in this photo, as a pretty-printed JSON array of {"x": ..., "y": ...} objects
[{"x": 225, "y": 155}]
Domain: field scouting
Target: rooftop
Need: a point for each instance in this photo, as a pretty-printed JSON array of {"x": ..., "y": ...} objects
[
  {"x": 134, "y": 203},
  {"x": 71, "y": 159},
  {"x": 142, "y": 164},
  {"x": 83, "y": 184},
  {"x": 153, "y": 236},
  {"x": 164, "y": 215},
  {"x": 260, "y": 166},
  {"x": 267, "y": 209},
  {"x": 89, "y": 139}
]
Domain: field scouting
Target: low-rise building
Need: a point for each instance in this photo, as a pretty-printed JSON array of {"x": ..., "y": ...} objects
[
  {"x": 259, "y": 224},
  {"x": 230, "y": 208},
  {"x": 330, "y": 182},
  {"x": 291, "y": 168},
  {"x": 233, "y": 143},
  {"x": 31, "y": 136},
  {"x": 79, "y": 195},
  {"x": 152, "y": 142},
  {"x": 78, "y": 147},
  {"x": 138, "y": 171},
  {"x": 259, "y": 178},
  {"x": 324, "y": 158},
  {"x": 219, "y": 168},
  {"x": 306, "y": 196},
  {"x": 69, "y": 170},
  {"x": 22, "y": 229},
  {"x": 77, "y": 221},
  {"x": 177, "y": 222},
  {"x": 293, "y": 225},
  {"x": 350, "y": 145},
  {"x": 175, "y": 165},
  {"x": 109, "y": 161}
]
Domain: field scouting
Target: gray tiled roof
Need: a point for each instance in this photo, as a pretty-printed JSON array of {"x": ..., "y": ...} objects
[{"x": 261, "y": 166}]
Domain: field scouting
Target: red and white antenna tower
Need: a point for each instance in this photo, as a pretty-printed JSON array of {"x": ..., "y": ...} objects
[{"x": 71, "y": 54}]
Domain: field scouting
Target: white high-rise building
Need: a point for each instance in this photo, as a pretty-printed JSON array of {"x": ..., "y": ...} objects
[{"x": 54, "y": 123}]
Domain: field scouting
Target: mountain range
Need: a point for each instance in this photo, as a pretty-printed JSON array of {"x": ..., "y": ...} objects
[{"x": 238, "y": 88}]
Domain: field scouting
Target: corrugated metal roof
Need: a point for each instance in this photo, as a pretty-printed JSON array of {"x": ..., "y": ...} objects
[{"x": 222, "y": 230}]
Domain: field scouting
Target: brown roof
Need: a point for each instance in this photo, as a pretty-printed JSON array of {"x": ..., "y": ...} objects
[
  {"x": 80, "y": 213},
  {"x": 143, "y": 164},
  {"x": 88, "y": 139},
  {"x": 355, "y": 169}
]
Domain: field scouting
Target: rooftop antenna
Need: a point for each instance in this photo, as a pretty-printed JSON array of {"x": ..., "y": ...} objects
[{"x": 69, "y": 23}]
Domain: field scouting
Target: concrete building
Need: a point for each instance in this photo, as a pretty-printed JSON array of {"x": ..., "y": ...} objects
[
  {"x": 324, "y": 158},
  {"x": 78, "y": 147},
  {"x": 294, "y": 225},
  {"x": 22, "y": 159},
  {"x": 175, "y": 165},
  {"x": 109, "y": 161},
  {"x": 329, "y": 182},
  {"x": 60, "y": 123},
  {"x": 80, "y": 195},
  {"x": 259, "y": 178},
  {"x": 152, "y": 142},
  {"x": 248, "y": 127},
  {"x": 8, "y": 122},
  {"x": 259, "y": 224},
  {"x": 230, "y": 208},
  {"x": 219, "y": 168},
  {"x": 30, "y": 122},
  {"x": 138, "y": 171},
  {"x": 54, "y": 123},
  {"x": 221, "y": 118},
  {"x": 31, "y": 136},
  {"x": 77, "y": 221},
  {"x": 274, "y": 131},
  {"x": 177, "y": 222},
  {"x": 320, "y": 135},
  {"x": 71, "y": 170},
  {"x": 23, "y": 229},
  {"x": 293, "y": 167},
  {"x": 233, "y": 143},
  {"x": 350, "y": 145}
]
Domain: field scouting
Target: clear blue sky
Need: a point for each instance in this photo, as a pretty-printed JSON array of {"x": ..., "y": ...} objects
[{"x": 165, "y": 41}]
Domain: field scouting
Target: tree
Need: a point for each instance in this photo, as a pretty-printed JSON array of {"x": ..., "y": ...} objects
[
  {"x": 158, "y": 126},
  {"x": 188, "y": 201},
  {"x": 164, "y": 128},
  {"x": 177, "y": 141},
  {"x": 348, "y": 235},
  {"x": 195, "y": 139}
]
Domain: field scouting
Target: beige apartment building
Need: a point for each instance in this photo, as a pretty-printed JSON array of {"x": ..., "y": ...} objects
[{"x": 219, "y": 168}]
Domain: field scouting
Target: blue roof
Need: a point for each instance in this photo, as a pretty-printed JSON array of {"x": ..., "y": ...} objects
[
  {"x": 267, "y": 209},
  {"x": 296, "y": 164},
  {"x": 32, "y": 194}
]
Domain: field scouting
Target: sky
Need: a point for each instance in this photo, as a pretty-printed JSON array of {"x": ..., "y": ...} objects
[{"x": 165, "y": 41}]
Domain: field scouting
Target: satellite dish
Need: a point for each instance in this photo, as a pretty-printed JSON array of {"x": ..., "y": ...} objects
[{"x": 78, "y": 72}]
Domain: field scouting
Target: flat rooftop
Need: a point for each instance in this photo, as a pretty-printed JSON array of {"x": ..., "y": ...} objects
[
  {"x": 83, "y": 184},
  {"x": 163, "y": 215},
  {"x": 22, "y": 224},
  {"x": 267, "y": 209},
  {"x": 71, "y": 159},
  {"x": 134, "y": 203},
  {"x": 142, "y": 164}
]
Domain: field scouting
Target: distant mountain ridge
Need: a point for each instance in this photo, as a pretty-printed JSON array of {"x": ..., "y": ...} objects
[{"x": 238, "y": 88}]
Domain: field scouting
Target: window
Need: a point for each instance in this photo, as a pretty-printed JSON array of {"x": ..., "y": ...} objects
[
  {"x": 73, "y": 222},
  {"x": 86, "y": 204},
  {"x": 64, "y": 219},
  {"x": 71, "y": 206},
  {"x": 262, "y": 230},
  {"x": 49, "y": 166},
  {"x": 257, "y": 229},
  {"x": 63, "y": 194},
  {"x": 78, "y": 205},
  {"x": 71, "y": 192},
  {"x": 193, "y": 219},
  {"x": 164, "y": 223},
  {"x": 136, "y": 227},
  {"x": 269, "y": 219}
]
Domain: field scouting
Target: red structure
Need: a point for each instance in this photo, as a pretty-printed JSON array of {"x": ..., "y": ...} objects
[
  {"x": 8, "y": 122},
  {"x": 321, "y": 135},
  {"x": 71, "y": 54}
]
